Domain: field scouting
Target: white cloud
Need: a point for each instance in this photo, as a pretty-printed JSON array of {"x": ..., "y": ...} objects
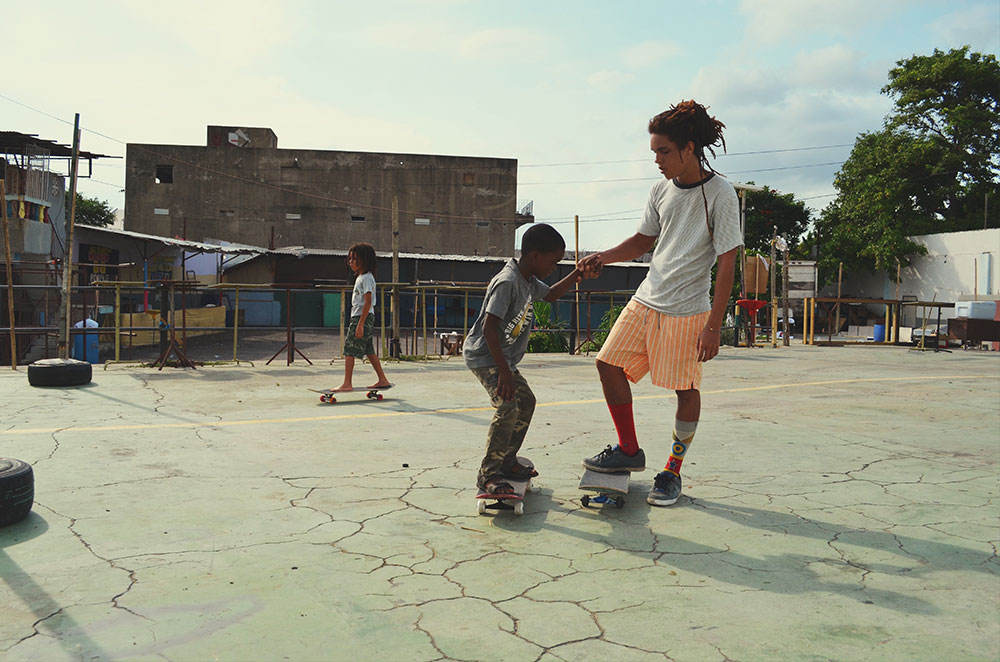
[
  {"x": 977, "y": 26},
  {"x": 501, "y": 43},
  {"x": 441, "y": 38},
  {"x": 771, "y": 21},
  {"x": 649, "y": 53},
  {"x": 609, "y": 81},
  {"x": 837, "y": 67},
  {"x": 232, "y": 31}
]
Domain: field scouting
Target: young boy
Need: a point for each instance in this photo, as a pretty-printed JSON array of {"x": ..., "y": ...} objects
[
  {"x": 361, "y": 330},
  {"x": 497, "y": 342},
  {"x": 670, "y": 327}
]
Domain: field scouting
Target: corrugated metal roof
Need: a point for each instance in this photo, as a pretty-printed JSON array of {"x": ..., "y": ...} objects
[{"x": 236, "y": 249}]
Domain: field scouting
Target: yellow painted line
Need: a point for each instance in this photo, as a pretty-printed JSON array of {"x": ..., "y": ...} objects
[{"x": 465, "y": 410}]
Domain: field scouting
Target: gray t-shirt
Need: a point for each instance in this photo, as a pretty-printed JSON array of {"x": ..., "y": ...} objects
[
  {"x": 509, "y": 297},
  {"x": 680, "y": 271},
  {"x": 365, "y": 283}
]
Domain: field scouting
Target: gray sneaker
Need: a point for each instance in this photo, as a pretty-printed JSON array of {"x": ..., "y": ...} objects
[
  {"x": 666, "y": 489},
  {"x": 613, "y": 460}
]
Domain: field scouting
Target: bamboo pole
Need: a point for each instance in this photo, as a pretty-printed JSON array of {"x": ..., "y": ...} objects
[
  {"x": 10, "y": 273},
  {"x": 774, "y": 294},
  {"x": 786, "y": 327},
  {"x": 576, "y": 303},
  {"x": 68, "y": 255},
  {"x": 395, "y": 274},
  {"x": 118, "y": 321}
]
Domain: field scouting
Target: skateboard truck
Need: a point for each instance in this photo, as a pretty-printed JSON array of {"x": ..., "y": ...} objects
[{"x": 602, "y": 499}]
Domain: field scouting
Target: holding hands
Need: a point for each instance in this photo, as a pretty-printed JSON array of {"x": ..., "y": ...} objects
[{"x": 591, "y": 265}]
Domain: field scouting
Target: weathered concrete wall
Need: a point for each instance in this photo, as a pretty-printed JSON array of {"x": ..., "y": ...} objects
[{"x": 323, "y": 199}]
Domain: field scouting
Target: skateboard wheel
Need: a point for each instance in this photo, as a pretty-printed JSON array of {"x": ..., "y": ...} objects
[
  {"x": 585, "y": 500},
  {"x": 519, "y": 508},
  {"x": 378, "y": 396},
  {"x": 481, "y": 506}
]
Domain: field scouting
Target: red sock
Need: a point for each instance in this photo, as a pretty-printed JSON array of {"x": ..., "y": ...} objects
[{"x": 625, "y": 425}]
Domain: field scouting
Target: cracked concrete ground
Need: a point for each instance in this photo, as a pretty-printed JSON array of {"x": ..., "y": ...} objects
[{"x": 840, "y": 504}]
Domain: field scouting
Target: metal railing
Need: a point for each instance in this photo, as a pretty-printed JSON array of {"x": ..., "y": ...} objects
[{"x": 435, "y": 318}]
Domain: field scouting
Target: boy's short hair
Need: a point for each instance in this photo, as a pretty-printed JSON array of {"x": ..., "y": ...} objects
[
  {"x": 365, "y": 254},
  {"x": 542, "y": 238}
]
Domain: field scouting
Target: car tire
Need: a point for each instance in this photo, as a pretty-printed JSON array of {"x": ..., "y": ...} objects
[
  {"x": 17, "y": 490},
  {"x": 59, "y": 372}
]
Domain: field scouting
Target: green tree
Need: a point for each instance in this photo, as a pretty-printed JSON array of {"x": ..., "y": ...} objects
[
  {"x": 768, "y": 209},
  {"x": 930, "y": 169},
  {"x": 91, "y": 211}
]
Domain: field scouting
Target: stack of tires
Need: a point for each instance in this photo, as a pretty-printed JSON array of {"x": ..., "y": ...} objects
[{"x": 17, "y": 490}]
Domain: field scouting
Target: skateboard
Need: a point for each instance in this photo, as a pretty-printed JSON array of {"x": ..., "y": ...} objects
[
  {"x": 513, "y": 501},
  {"x": 609, "y": 487},
  {"x": 329, "y": 395}
]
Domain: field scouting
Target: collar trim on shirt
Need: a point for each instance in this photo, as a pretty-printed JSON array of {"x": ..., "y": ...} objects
[{"x": 695, "y": 185}]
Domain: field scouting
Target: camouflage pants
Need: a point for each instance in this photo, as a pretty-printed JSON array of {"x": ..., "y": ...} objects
[
  {"x": 361, "y": 347},
  {"x": 510, "y": 423}
]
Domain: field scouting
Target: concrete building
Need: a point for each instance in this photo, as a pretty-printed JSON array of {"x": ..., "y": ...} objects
[
  {"x": 958, "y": 266},
  {"x": 241, "y": 187}
]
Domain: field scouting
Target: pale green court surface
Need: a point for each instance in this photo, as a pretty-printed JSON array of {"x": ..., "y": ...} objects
[{"x": 840, "y": 504}]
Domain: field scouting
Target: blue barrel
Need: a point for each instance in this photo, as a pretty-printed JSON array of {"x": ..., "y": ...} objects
[{"x": 879, "y": 333}]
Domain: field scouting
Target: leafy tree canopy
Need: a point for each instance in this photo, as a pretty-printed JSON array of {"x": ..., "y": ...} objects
[
  {"x": 930, "y": 169},
  {"x": 91, "y": 211},
  {"x": 770, "y": 209}
]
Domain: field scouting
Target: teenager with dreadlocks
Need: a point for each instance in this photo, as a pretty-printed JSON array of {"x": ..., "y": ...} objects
[{"x": 670, "y": 326}]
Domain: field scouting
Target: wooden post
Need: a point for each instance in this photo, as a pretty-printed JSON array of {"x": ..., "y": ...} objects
[
  {"x": 10, "y": 273},
  {"x": 68, "y": 255},
  {"x": 576, "y": 303},
  {"x": 118, "y": 320},
  {"x": 786, "y": 328},
  {"x": 840, "y": 278},
  {"x": 395, "y": 273},
  {"x": 774, "y": 294}
]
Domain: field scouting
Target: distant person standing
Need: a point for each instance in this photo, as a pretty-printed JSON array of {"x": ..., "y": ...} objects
[
  {"x": 361, "y": 330},
  {"x": 671, "y": 325}
]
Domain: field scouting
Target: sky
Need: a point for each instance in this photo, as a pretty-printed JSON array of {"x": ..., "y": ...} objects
[{"x": 566, "y": 88}]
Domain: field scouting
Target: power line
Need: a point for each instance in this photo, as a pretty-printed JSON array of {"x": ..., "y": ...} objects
[
  {"x": 649, "y": 179},
  {"x": 763, "y": 151}
]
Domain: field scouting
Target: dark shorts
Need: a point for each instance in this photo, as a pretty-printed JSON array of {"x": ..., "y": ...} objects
[{"x": 361, "y": 347}]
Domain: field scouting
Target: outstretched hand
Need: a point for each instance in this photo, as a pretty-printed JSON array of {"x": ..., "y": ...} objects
[{"x": 591, "y": 266}]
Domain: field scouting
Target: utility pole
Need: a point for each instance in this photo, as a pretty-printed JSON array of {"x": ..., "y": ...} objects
[{"x": 68, "y": 254}]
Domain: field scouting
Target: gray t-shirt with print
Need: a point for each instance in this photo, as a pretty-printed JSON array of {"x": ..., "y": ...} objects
[
  {"x": 509, "y": 297},
  {"x": 365, "y": 284}
]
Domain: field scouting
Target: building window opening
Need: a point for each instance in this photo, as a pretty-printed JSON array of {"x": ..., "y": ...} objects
[
  {"x": 357, "y": 219},
  {"x": 164, "y": 174},
  {"x": 469, "y": 179}
]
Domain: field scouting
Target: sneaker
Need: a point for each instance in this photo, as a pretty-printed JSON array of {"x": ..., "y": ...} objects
[
  {"x": 614, "y": 460},
  {"x": 666, "y": 489}
]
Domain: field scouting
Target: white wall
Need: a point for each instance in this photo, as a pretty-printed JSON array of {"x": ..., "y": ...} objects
[{"x": 959, "y": 266}]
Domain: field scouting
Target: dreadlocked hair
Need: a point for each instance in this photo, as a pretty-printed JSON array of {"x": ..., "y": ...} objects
[{"x": 689, "y": 122}]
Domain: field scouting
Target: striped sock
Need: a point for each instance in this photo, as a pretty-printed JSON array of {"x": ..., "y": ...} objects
[{"x": 682, "y": 437}]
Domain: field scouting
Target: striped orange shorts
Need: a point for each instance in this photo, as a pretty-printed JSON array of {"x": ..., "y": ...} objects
[{"x": 644, "y": 340}]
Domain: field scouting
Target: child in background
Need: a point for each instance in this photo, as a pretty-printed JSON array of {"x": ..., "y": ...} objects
[
  {"x": 361, "y": 260},
  {"x": 497, "y": 342}
]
